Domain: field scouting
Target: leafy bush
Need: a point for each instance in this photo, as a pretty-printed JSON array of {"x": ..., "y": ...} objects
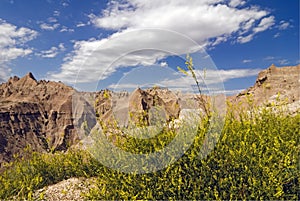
[{"x": 257, "y": 157}]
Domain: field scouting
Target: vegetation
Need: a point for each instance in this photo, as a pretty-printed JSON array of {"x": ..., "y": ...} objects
[
  {"x": 257, "y": 157},
  {"x": 36, "y": 170}
]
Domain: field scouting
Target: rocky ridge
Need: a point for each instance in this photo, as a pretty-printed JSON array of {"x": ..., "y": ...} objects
[
  {"x": 36, "y": 114},
  {"x": 46, "y": 115},
  {"x": 274, "y": 85}
]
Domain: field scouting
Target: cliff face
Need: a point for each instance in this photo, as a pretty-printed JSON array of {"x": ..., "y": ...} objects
[
  {"x": 275, "y": 84},
  {"x": 35, "y": 113}
]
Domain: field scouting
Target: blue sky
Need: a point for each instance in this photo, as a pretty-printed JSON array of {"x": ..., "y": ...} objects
[{"x": 125, "y": 44}]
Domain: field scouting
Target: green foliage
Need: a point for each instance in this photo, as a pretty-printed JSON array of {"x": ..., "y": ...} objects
[
  {"x": 21, "y": 177},
  {"x": 256, "y": 157}
]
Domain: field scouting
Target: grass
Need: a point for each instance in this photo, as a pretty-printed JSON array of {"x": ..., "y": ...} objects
[{"x": 256, "y": 157}]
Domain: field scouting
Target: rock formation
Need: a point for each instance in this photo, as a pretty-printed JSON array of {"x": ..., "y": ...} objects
[
  {"x": 153, "y": 105},
  {"x": 48, "y": 115},
  {"x": 274, "y": 84},
  {"x": 140, "y": 105},
  {"x": 34, "y": 113}
]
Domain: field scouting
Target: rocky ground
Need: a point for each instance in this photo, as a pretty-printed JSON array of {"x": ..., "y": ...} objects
[{"x": 70, "y": 189}]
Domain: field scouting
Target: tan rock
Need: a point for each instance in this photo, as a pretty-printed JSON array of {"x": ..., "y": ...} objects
[
  {"x": 36, "y": 114},
  {"x": 275, "y": 84}
]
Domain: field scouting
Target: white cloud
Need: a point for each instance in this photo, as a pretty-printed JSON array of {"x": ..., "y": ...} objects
[
  {"x": 12, "y": 40},
  {"x": 211, "y": 77},
  {"x": 207, "y": 22},
  {"x": 163, "y": 64},
  {"x": 276, "y": 35},
  {"x": 283, "y": 25},
  {"x": 66, "y": 29},
  {"x": 280, "y": 61},
  {"x": 283, "y": 62},
  {"x": 212, "y": 82},
  {"x": 269, "y": 58},
  {"x": 265, "y": 24},
  {"x": 56, "y": 13},
  {"x": 65, "y": 3},
  {"x": 80, "y": 24},
  {"x": 245, "y": 39},
  {"x": 4, "y": 73},
  {"x": 61, "y": 47},
  {"x": 247, "y": 61},
  {"x": 235, "y": 3},
  {"x": 95, "y": 58},
  {"x": 226, "y": 75},
  {"x": 196, "y": 19},
  {"x": 49, "y": 27},
  {"x": 52, "y": 19},
  {"x": 52, "y": 52}
]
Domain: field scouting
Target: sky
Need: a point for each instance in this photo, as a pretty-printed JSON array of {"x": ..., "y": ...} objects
[{"x": 121, "y": 45}]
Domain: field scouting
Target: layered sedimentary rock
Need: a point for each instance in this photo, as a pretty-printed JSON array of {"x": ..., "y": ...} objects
[
  {"x": 153, "y": 105},
  {"x": 124, "y": 108},
  {"x": 35, "y": 113},
  {"x": 278, "y": 85}
]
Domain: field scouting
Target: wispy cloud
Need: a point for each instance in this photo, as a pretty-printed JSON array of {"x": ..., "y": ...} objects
[
  {"x": 195, "y": 20},
  {"x": 49, "y": 27},
  {"x": 81, "y": 24},
  {"x": 265, "y": 23},
  {"x": 276, "y": 35},
  {"x": 247, "y": 61},
  {"x": 52, "y": 19},
  {"x": 56, "y": 13},
  {"x": 12, "y": 45},
  {"x": 184, "y": 83},
  {"x": 52, "y": 52},
  {"x": 235, "y": 3},
  {"x": 283, "y": 62},
  {"x": 278, "y": 60},
  {"x": 217, "y": 76},
  {"x": 269, "y": 58},
  {"x": 65, "y": 4},
  {"x": 66, "y": 29},
  {"x": 284, "y": 25}
]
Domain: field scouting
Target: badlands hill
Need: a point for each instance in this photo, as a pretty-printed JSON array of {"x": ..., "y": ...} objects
[
  {"x": 35, "y": 113},
  {"x": 277, "y": 85},
  {"x": 44, "y": 115}
]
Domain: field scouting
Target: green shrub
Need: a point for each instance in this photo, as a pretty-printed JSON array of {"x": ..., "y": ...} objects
[
  {"x": 257, "y": 157},
  {"x": 21, "y": 177}
]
